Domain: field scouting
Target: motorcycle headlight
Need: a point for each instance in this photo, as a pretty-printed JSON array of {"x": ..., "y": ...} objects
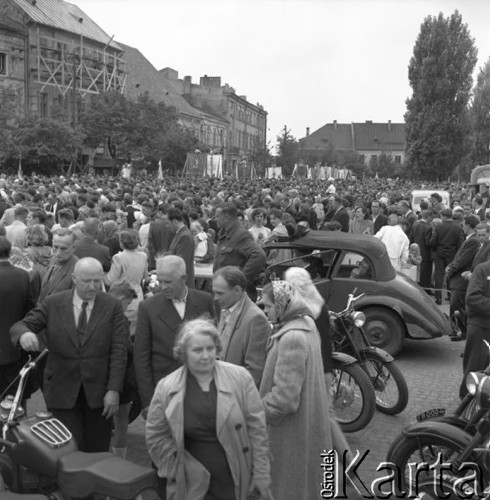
[
  {"x": 482, "y": 396},
  {"x": 359, "y": 318},
  {"x": 473, "y": 381}
]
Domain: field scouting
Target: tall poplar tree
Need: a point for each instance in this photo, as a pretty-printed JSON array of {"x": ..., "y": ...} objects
[
  {"x": 480, "y": 117},
  {"x": 440, "y": 74}
]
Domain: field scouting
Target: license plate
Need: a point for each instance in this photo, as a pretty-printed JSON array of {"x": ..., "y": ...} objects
[{"x": 434, "y": 413}]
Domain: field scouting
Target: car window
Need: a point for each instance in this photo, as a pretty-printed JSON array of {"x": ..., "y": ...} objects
[
  {"x": 318, "y": 263},
  {"x": 355, "y": 265}
]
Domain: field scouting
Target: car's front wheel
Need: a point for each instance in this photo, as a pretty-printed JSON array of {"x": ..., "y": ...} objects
[{"x": 384, "y": 329}]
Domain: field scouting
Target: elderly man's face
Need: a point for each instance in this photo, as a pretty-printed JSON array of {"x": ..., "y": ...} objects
[
  {"x": 88, "y": 281},
  {"x": 172, "y": 283}
]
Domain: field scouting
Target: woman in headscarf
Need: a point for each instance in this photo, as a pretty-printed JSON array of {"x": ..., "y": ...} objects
[
  {"x": 294, "y": 395},
  {"x": 301, "y": 280}
]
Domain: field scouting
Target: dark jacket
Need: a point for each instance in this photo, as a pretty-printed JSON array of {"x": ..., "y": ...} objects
[
  {"x": 16, "y": 301},
  {"x": 421, "y": 234},
  {"x": 183, "y": 246},
  {"x": 478, "y": 296},
  {"x": 160, "y": 236},
  {"x": 462, "y": 262},
  {"x": 88, "y": 247},
  {"x": 446, "y": 238},
  {"x": 381, "y": 220},
  {"x": 236, "y": 247},
  {"x": 482, "y": 255},
  {"x": 341, "y": 216},
  {"x": 98, "y": 364},
  {"x": 156, "y": 329}
]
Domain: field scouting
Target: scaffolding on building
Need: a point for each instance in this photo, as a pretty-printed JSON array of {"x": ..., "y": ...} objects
[{"x": 70, "y": 65}]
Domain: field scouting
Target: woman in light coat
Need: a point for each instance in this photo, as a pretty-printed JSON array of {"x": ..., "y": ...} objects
[
  {"x": 205, "y": 428},
  {"x": 132, "y": 266},
  {"x": 295, "y": 396}
]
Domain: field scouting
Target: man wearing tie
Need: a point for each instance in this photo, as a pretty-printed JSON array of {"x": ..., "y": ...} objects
[
  {"x": 159, "y": 320},
  {"x": 86, "y": 334}
]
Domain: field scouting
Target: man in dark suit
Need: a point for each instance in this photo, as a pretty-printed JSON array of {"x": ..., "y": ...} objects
[
  {"x": 462, "y": 262},
  {"x": 160, "y": 236},
  {"x": 483, "y": 253},
  {"x": 88, "y": 246},
  {"x": 421, "y": 232},
  {"x": 409, "y": 215},
  {"x": 378, "y": 217},
  {"x": 479, "y": 207},
  {"x": 17, "y": 301},
  {"x": 182, "y": 243},
  {"x": 475, "y": 357},
  {"x": 58, "y": 276},
  {"x": 338, "y": 212},
  {"x": 159, "y": 320},
  {"x": 445, "y": 240},
  {"x": 243, "y": 326},
  {"x": 236, "y": 247},
  {"x": 86, "y": 334}
]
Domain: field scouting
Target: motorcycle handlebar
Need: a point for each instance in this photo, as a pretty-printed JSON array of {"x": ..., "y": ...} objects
[
  {"x": 41, "y": 356},
  {"x": 6, "y": 444}
]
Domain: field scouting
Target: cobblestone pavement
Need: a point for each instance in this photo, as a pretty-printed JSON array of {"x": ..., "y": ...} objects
[{"x": 433, "y": 371}]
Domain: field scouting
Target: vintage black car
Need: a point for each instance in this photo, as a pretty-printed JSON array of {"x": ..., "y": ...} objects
[{"x": 395, "y": 306}]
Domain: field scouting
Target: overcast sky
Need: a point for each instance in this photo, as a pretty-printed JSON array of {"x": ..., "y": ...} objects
[{"x": 308, "y": 62}]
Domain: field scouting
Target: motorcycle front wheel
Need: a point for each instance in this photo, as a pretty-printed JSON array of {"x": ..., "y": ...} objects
[
  {"x": 409, "y": 452},
  {"x": 388, "y": 382},
  {"x": 352, "y": 397}
]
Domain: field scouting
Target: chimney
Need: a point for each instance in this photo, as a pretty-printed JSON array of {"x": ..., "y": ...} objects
[
  {"x": 389, "y": 125},
  {"x": 187, "y": 84},
  {"x": 307, "y": 131},
  {"x": 335, "y": 124}
]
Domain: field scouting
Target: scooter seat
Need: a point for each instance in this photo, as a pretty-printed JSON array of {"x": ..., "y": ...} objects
[
  {"x": 8, "y": 495},
  {"x": 82, "y": 474}
]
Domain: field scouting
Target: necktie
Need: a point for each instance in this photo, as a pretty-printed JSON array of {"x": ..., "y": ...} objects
[{"x": 82, "y": 319}]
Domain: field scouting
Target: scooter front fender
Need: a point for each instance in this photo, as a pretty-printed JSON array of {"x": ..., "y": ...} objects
[
  {"x": 342, "y": 359},
  {"x": 378, "y": 353},
  {"x": 437, "y": 428}
]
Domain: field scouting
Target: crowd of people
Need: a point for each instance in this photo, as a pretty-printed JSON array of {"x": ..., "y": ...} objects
[{"x": 227, "y": 389}]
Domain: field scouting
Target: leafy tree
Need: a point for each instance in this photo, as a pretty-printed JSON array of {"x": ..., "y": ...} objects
[
  {"x": 47, "y": 144},
  {"x": 288, "y": 151},
  {"x": 109, "y": 118},
  {"x": 440, "y": 74},
  {"x": 480, "y": 117}
]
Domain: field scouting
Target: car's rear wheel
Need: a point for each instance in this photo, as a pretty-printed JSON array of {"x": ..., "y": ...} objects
[{"x": 384, "y": 329}]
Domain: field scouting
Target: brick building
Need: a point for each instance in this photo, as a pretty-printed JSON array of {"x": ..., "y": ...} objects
[
  {"x": 247, "y": 122},
  {"x": 368, "y": 139}
]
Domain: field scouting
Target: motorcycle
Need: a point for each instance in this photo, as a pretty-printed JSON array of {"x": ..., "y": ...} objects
[
  {"x": 352, "y": 393},
  {"x": 463, "y": 444},
  {"x": 349, "y": 337},
  {"x": 39, "y": 455}
]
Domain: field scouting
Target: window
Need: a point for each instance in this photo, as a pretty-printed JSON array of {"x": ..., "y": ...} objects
[
  {"x": 43, "y": 105},
  {"x": 355, "y": 266},
  {"x": 398, "y": 159},
  {"x": 3, "y": 63}
]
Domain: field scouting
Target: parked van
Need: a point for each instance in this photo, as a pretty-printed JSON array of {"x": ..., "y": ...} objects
[{"x": 420, "y": 194}]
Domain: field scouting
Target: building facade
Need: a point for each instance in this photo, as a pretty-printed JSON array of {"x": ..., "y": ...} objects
[
  {"x": 369, "y": 140},
  {"x": 55, "y": 55},
  {"x": 246, "y": 122}
]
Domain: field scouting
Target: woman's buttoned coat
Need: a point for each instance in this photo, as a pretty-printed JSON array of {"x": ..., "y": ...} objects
[
  {"x": 294, "y": 393},
  {"x": 240, "y": 427}
]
